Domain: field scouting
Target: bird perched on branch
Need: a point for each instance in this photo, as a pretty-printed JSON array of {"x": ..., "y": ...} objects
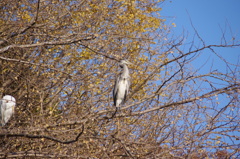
[
  {"x": 122, "y": 84},
  {"x": 7, "y": 106}
]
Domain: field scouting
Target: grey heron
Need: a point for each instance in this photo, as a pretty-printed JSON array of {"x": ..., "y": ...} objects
[
  {"x": 122, "y": 84},
  {"x": 7, "y": 105}
]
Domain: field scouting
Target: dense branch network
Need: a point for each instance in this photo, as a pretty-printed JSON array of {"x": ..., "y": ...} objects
[{"x": 60, "y": 63}]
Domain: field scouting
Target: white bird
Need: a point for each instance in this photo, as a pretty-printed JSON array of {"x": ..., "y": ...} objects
[
  {"x": 122, "y": 84},
  {"x": 7, "y": 106}
]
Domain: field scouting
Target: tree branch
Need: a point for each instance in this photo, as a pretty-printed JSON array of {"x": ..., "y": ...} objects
[
  {"x": 207, "y": 95},
  {"x": 63, "y": 42},
  {"x": 36, "y": 154},
  {"x": 43, "y": 136}
]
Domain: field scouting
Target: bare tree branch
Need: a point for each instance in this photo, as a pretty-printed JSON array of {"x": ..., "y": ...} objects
[
  {"x": 207, "y": 95},
  {"x": 44, "y": 136}
]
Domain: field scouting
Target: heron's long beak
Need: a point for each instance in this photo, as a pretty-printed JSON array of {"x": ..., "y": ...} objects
[{"x": 129, "y": 63}]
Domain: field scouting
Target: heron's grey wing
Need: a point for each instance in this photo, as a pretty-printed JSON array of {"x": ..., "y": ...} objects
[
  {"x": 129, "y": 84},
  {"x": 115, "y": 90},
  {"x": 127, "y": 89}
]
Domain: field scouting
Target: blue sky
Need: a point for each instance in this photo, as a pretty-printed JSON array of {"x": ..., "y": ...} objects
[{"x": 210, "y": 18}]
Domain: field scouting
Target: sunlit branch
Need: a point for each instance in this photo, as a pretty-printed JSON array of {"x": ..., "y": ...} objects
[
  {"x": 63, "y": 42},
  {"x": 207, "y": 95}
]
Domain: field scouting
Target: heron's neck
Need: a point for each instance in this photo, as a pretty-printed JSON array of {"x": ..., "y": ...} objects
[{"x": 125, "y": 71}]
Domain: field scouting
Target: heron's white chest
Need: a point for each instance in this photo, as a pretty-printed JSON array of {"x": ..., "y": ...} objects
[
  {"x": 8, "y": 112},
  {"x": 10, "y": 107},
  {"x": 122, "y": 88}
]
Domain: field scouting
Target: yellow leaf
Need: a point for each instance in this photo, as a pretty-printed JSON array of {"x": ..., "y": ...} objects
[
  {"x": 217, "y": 142},
  {"x": 26, "y": 16}
]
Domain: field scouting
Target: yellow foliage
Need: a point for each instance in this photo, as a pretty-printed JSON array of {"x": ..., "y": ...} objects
[
  {"x": 174, "y": 25},
  {"x": 26, "y": 16},
  {"x": 69, "y": 82}
]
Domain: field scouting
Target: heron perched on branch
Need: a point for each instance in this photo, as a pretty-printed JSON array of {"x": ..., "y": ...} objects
[
  {"x": 122, "y": 84},
  {"x": 7, "y": 105}
]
